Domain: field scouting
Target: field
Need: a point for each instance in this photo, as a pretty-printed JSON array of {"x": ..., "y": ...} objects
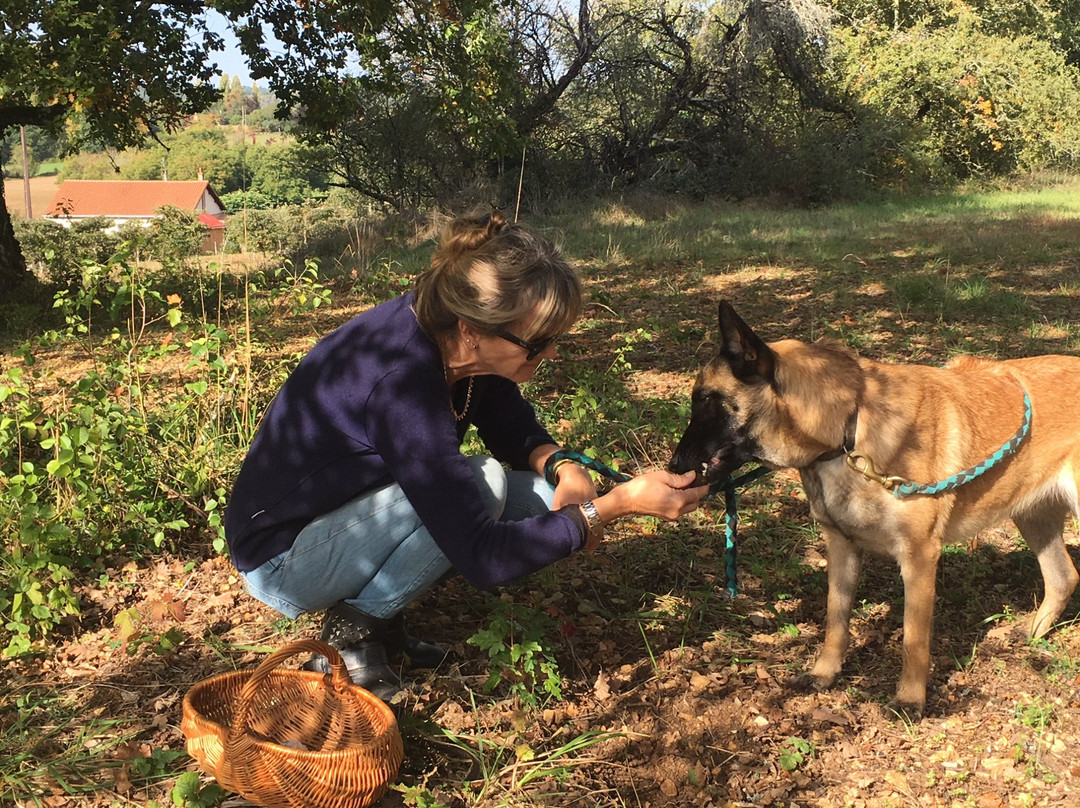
[
  {"x": 42, "y": 190},
  {"x": 648, "y": 686}
]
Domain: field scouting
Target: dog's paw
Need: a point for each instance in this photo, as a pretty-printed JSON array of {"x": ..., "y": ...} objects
[
  {"x": 909, "y": 713},
  {"x": 807, "y": 682}
]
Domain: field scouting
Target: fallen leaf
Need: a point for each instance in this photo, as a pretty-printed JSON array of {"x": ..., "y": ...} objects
[
  {"x": 158, "y": 611},
  {"x": 601, "y": 689},
  {"x": 699, "y": 682},
  {"x": 821, "y": 714},
  {"x": 898, "y": 781},
  {"x": 121, "y": 780},
  {"x": 1002, "y": 768}
]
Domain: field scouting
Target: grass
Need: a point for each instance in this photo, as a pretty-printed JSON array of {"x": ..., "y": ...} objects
[
  {"x": 51, "y": 738},
  {"x": 906, "y": 278},
  {"x": 960, "y": 229}
]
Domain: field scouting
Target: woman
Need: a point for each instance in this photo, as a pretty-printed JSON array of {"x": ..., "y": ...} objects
[{"x": 355, "y": 498}]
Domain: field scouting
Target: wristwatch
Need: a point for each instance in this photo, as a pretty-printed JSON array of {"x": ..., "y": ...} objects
[{"x": 592, "y": 518}]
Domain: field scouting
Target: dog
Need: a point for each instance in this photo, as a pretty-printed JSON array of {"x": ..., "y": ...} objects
[{"x": 859, "y": 432}]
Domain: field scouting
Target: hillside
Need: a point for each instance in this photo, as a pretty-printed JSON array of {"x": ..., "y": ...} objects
[{"x": 41, "y": 194}]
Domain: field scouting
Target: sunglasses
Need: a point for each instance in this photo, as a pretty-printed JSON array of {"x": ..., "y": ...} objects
[{"x": 534, "y": 348}]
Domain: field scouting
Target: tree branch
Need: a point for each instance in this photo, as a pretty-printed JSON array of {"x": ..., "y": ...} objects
[{"x": 30, "y": 115}]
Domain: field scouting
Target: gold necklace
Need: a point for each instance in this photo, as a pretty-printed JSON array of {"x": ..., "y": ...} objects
[{"x": 468, "y": 400}]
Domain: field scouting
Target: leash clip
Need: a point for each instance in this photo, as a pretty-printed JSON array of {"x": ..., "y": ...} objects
[{"x": 868, "y": 471}]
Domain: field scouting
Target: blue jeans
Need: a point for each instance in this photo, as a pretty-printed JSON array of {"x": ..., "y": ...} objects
[{"x": 375, "y": 554}]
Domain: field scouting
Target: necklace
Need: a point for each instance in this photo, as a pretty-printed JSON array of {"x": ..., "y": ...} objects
[{"x": 468, "y": 400}]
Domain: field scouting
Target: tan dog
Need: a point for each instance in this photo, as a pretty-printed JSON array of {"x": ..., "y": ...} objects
[{"x": 846, "y": 422}]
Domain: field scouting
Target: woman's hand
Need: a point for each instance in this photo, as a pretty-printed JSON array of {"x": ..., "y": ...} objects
[
  {"x": 658, "y": 493},
  {"x": 573, "y": 485}
]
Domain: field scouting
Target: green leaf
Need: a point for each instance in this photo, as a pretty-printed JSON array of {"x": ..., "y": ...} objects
[{"x": 186, "y": 789}]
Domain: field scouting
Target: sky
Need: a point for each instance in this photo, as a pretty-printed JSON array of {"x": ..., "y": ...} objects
[{"x": 230, "y": 61}]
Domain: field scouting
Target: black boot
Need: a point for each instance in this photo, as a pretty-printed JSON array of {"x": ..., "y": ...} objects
[
  {"x": 358, "y": 638},
  {"x": 421, "y": 654}
]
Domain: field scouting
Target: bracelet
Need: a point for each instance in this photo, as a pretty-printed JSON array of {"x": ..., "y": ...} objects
[
  {"x": 551, "y": 469},
  {"x": 592, "y": 518}
]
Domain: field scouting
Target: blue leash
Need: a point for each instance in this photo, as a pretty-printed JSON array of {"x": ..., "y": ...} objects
[{"x": 729, "y": 488}]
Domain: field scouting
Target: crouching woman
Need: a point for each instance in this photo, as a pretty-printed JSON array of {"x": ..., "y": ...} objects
[{"x": 354, "y": 497}]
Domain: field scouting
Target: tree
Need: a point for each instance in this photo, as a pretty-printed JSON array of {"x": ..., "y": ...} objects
[
  {"x": 113, "y": 73},
  {"x": 106, "y": 72},
  {"x": 972, "y": 104},
  {"x": 366, "y": 77},
  {"x": 197, "y": 148}
]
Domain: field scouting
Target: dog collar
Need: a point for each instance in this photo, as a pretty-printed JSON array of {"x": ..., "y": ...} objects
[{"x": 848, "y": 445}]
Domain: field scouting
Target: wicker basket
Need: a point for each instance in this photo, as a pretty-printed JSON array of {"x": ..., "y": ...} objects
[{"x": 291, "y": 738}]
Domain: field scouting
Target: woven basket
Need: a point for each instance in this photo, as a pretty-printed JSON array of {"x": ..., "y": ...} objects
[{"x": 293, "y": 739}]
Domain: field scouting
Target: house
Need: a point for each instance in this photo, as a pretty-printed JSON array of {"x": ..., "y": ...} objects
[{"x": 138, "y": 201}]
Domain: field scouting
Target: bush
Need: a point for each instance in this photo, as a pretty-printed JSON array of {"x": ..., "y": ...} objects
[
  {"x": 965, "y": 103},
  {"x": 123, "y": 458},
  {"x": 294, "y": 232},
  {"x": 285, "y": 174},
  {"x": 58, "y": 254},
  {"x": 238, "y": 201},
  {"x": 175, "y": 236}
]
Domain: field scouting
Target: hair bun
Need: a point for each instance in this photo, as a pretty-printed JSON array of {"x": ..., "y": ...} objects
[
  {"x": 467, "y": 233},
  {"x": 496, "y": 222}
]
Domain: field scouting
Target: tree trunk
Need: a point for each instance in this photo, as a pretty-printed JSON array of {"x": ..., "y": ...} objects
[{"x": 13, "y": 272}]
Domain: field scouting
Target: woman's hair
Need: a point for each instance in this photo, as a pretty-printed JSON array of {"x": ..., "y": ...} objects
[{"x": 492, "y": 275}]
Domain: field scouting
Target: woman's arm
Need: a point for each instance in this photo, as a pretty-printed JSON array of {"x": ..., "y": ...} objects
[{"x": 573, "y": 484}]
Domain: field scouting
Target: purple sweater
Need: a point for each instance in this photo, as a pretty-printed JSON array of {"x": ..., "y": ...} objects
[{"x": 369, "y": 406}]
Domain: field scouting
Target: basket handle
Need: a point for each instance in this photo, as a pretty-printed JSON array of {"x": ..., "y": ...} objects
[{"x": 340, "y": 680}]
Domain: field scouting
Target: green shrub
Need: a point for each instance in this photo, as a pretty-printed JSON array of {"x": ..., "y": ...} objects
[
  {"x": 238, "y": 201},
  {"x": 175, "y": 236},
  {"x": 95, "y": 468},
  {"x": 294, "y": 232},
  {"x": 122, "y": 457},
  {"x": 514, "y": 642},
  {"x": 961, "y": 103},
  {"x": 58, "y": 254}
]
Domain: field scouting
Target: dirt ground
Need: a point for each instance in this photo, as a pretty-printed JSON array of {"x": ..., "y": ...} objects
[{"x": 685, "y": 689}]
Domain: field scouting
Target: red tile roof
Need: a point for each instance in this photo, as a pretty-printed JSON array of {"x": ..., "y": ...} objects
[
  {"x": 211, "y": 221},
  {"x": 138, "y": 198}
]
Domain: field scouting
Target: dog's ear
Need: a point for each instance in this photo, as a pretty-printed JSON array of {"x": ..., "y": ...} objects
[{"x": 749, "y": 357}]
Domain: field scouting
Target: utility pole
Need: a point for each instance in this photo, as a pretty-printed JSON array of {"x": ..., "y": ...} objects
[{"x": 25, "y": 173}]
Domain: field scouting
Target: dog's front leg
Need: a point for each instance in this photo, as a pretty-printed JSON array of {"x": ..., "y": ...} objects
[
  {"x": 844, "y": 561},
  {"x": 918, "y": 566}
]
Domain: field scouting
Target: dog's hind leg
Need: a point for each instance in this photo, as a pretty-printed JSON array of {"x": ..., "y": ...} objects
[{"x": 1042, "y": 530}]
